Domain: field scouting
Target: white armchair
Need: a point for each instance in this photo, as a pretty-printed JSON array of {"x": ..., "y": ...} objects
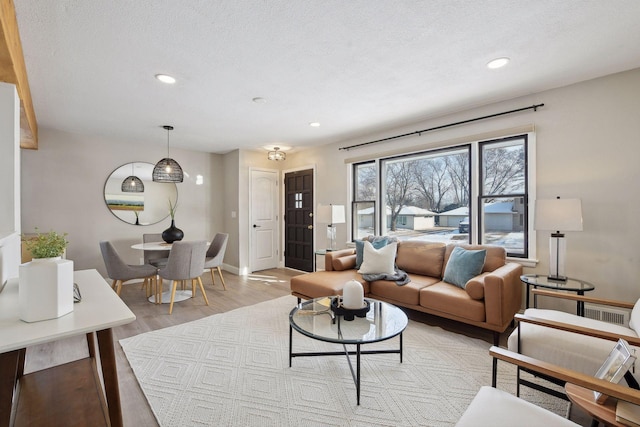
[
  {"x": 497, "y": 408},
  {"x": 568, "y": 340}
]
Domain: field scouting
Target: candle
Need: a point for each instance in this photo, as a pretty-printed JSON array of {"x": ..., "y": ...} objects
[{"x": 353, "y": 295}]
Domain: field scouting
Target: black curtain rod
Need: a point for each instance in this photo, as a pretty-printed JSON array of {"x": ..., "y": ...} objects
[{"x": 419, "y": 132}]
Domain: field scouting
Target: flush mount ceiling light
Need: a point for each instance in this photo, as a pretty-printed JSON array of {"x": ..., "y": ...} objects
[
  {"x": 166, "y": 78},
  {"x": 498, "y": 63},
  {"x": 276, "y": 154},
  {"x": 314, "y": 124},
  {"x": 167, "y": 169},
  {"x": 132, "y": 184}
]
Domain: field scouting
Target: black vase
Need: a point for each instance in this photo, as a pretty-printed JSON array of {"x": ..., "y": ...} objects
[{"x": 172, "y": 234}]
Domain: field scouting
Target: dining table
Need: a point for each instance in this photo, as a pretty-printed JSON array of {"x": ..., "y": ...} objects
[{"x": 165, "y": 297}]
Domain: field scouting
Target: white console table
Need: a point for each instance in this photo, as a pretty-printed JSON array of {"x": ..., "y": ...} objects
[{"x": 69, "y": 394}]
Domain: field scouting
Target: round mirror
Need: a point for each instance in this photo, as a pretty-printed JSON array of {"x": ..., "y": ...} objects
[{"x": 139, "y": 208}]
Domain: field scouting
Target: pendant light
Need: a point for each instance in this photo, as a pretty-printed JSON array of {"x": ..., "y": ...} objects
[
  {"x": 132, "y": 184},
  {"x": 167, "y": 169},
  {"x": 276, "y": 154}
]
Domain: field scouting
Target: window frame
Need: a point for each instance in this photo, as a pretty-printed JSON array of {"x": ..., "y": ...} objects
[{"x": 475, "y": 189}]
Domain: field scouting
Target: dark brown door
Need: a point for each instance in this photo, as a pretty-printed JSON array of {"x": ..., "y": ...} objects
[{"x": 298, "y": 220}]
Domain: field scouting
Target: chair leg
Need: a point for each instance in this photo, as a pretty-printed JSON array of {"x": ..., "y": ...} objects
[
  {"x": 193, "y": 288},
  {"x": 224, "y": 285},
  {"x": 174, "y": 287},
  {"x": 118, "y": 287},
  {"x": 213, "y": 279},
  {"x": 113, "y": 284},
  {"x": 204, "y": 294}
]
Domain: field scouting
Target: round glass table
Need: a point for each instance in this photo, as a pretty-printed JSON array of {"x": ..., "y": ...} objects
[
  {"x": 315, "y": 319},
  {"x": 572, "y": 285}
]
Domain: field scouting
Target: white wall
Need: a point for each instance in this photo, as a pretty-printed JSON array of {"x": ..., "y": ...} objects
[
  {"x": 587, "y": 147},
  {"x": 62, "y": 190}
]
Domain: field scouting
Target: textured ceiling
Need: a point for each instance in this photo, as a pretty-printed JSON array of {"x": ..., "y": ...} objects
[{"x": 354, "y": 66}]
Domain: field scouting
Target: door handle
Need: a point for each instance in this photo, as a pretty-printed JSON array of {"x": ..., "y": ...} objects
[
  {"x": 256, "y": 226},
  {"x": 310, "y": 227}
]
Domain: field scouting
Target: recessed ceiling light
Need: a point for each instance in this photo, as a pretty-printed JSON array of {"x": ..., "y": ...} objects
[
  {"x": 165, "y": 78},
  {"x": 259, "y": 100},
  {"x": 498, "y": 63},
  {"x": 314, "y": 124}
]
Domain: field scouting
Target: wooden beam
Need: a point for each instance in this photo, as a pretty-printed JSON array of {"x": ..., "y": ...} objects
[{"x": 13, "y": 70}]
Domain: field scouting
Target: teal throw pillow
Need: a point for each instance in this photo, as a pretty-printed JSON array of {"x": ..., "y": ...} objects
[
  {"x": 464, "y": 265},
  {"x": 378, "y": 243}
]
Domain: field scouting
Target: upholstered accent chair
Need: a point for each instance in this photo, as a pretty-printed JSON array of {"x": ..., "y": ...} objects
[
  {"x": 568, "y": 340},
  {"x": 215, "y": 255},
  {"x": 121, "y": 272},
  {"x": 155, "y": 258},
  {"x": 498, "y": 408},
  {"x": 186, "y": 262}
]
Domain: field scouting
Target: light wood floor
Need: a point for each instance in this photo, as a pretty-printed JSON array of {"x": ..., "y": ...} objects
[{"x": 241, "y": 291}]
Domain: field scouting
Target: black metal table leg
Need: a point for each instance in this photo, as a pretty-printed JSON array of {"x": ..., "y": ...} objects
[
  {"x": 290, "y": 342},
  {"x": 358, "y": 372},
  {"x": 580, "y": 305}
]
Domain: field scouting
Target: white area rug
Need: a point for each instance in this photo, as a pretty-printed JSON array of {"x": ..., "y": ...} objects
[{"x": 231, "y": 369}]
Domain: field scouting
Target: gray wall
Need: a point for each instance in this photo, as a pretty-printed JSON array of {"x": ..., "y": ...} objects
[{"x": 62, "y": 190}]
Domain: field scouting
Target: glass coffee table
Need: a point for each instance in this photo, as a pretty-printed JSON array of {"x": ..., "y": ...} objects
[{"x": 315, "y": 319}]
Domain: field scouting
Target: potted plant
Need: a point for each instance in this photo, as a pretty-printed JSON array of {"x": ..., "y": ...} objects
[
  {"x": 173, "y": 233},
  {"x": 45, "y": 289}
]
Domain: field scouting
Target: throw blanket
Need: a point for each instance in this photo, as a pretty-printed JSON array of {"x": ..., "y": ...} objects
[{"x": 400, "y": 277}]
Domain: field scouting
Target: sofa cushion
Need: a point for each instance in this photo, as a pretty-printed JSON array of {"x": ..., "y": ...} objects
[
  {"x": 325, "y": 283},
  {"x": 464, "y": 265},
  {"x": 420, "y": 257},
  {"x": 377, "y": 242},
  {"x": 375, "y": 261},
  {"x": 408, "y": 294},
  {"x": 447, "y": 298},
  {"x": 496, "y": 255}
]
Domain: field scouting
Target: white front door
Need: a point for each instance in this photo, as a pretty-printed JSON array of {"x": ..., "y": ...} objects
[{"x": 264, "y": 220}]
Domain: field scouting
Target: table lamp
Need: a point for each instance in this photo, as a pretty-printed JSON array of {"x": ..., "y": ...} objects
[
  {"x": 331, "y": 215},
  {"x": 556, "y": 215}
]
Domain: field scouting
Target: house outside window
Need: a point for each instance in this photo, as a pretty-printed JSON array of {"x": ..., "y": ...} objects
[{"x": 439, "y": 195}]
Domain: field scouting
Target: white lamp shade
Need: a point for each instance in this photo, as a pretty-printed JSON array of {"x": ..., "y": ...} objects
[
  {"x": 558, "y": 215},
  {"x": 331, "y": 214}
]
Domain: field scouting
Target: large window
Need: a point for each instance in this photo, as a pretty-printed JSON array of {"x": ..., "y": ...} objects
[{"x": 439, "y": 195}]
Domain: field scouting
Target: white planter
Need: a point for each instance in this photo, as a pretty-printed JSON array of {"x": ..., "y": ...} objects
[{"x": 45, "y": 289}]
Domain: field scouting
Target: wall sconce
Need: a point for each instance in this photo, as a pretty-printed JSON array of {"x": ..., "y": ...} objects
[
  {"x": 276, "y": 154},
  {"x": 558, "y": 214},
  {"x": 331, "y": 215}
]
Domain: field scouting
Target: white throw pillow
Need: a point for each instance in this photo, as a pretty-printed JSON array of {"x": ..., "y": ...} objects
[{"x": 376, "y": 261}]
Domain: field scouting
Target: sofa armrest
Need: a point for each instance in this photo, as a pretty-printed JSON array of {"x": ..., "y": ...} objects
[
  {"x": 592, "y": 300},
  {"x": 503, "y": 294},
  {"x": 590, "y": 382},
  {"x": 331, "y": 255}
]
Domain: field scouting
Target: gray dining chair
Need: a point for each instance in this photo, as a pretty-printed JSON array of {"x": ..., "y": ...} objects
[
  {"x": 120, "y": 272},
  {"x": 155, "y": 258},
  {"x": 186, "y": 262},
  {"x": 215, "y": 255}
]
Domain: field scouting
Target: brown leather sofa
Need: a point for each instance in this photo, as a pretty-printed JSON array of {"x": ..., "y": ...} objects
[{"x": 488, "y": 301}]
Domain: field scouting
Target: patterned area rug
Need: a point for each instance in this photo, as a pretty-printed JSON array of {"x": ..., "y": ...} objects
[{"x": 231, "y": 369}]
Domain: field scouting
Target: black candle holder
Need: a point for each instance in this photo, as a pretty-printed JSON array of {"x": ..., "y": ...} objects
[{"x": 348, "y": 313}]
